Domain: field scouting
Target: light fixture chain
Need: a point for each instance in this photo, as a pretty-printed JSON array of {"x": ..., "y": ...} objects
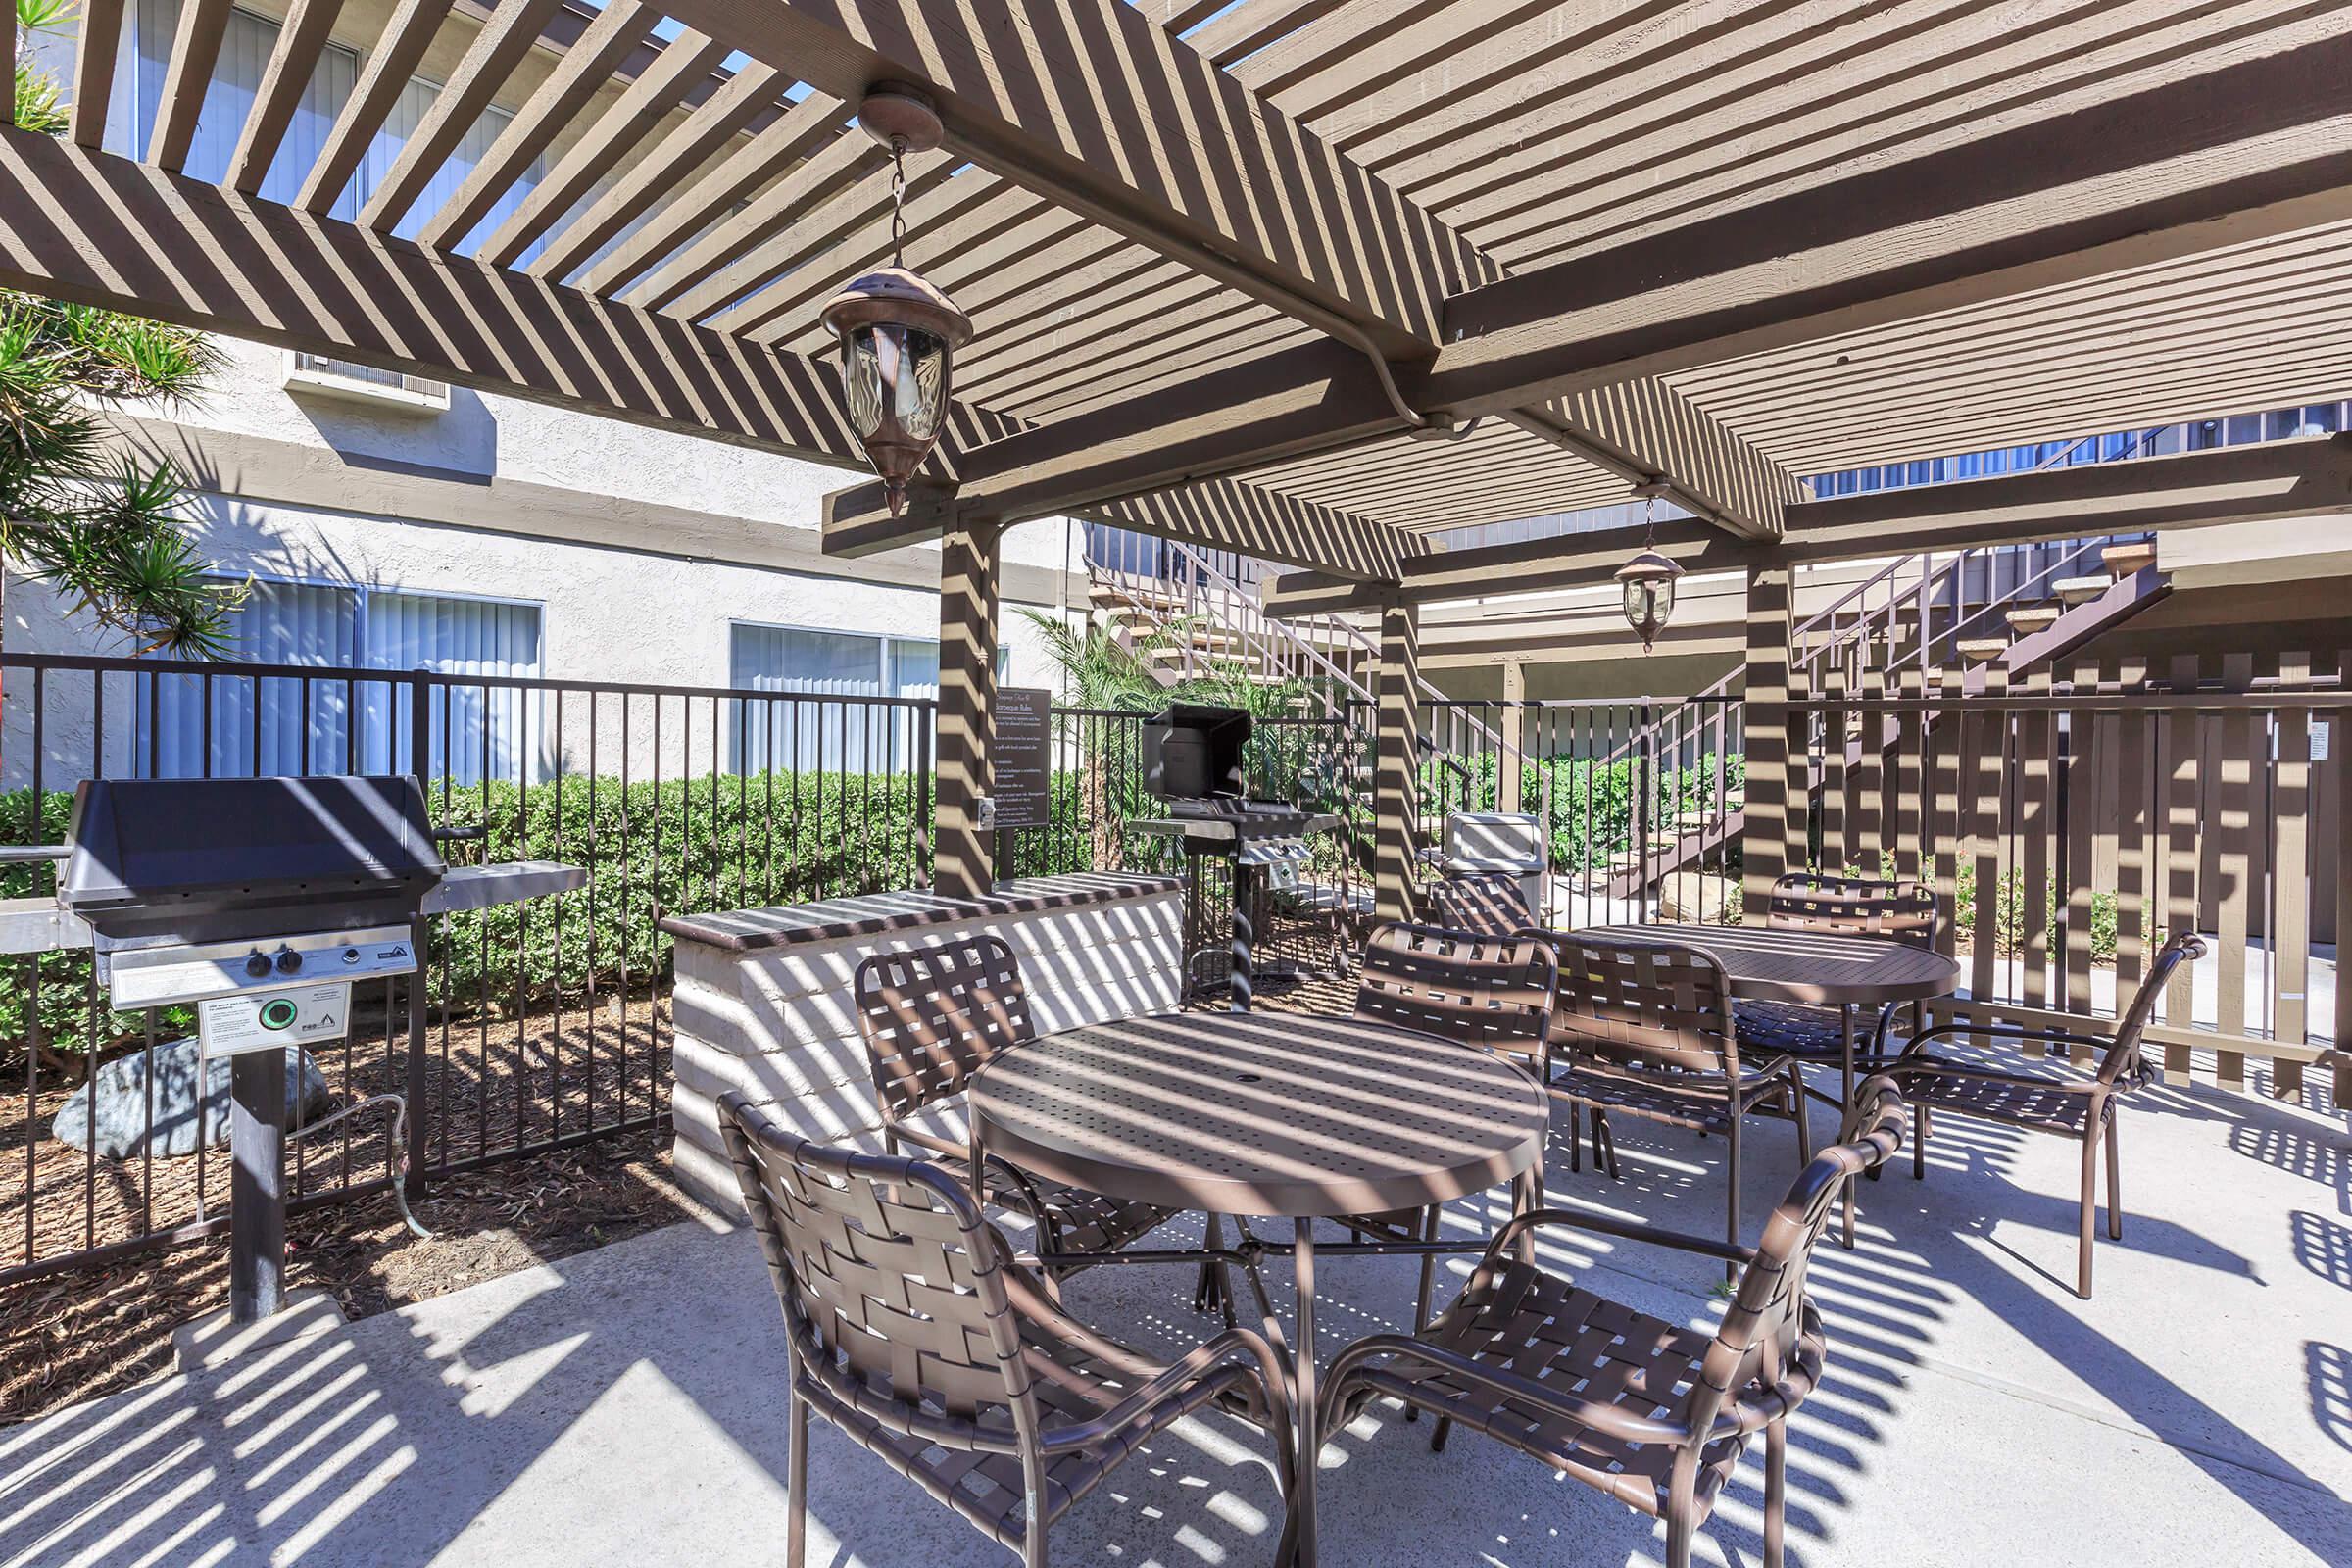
[{"x": 898, "y": 200}]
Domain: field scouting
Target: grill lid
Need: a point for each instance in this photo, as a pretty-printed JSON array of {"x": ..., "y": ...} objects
[
  {"x": 1192, "y": 749},
  {"x": 217, "y": 859}
]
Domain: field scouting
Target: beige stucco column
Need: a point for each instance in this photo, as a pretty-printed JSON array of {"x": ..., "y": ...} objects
[
  {"x": 1771, "y": 826},
  {"x": 963, "y": 857},
  {"x": 1395, "y": 796}
]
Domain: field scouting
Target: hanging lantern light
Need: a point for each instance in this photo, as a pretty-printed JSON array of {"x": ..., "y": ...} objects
[
  {"x": 898, "y": 333},
  {"x": 1648, "y": 583}
]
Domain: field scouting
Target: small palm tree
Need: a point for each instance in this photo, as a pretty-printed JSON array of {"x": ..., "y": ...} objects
[{"x": 108, "y": 529}]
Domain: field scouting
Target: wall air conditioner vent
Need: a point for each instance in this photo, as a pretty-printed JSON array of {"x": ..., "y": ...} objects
[{"x": 362, "y": 383}]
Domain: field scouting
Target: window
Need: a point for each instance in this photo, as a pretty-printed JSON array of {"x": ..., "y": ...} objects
[
  {"x": 229, "y": 726},
  {"x": 857, "y": 737}
]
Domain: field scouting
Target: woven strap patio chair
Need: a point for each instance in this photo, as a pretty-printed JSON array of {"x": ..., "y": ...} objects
[
  {"x": 912, "y": 1329},
  {"x": 2043, "y": 1094},
  {"x": 1490, "y": 993},
  {"x": 1648, "y": 1410},
  {"x": 933, "y": 1016},
  {"x": 1845, "y": 905},
  {"x": 1643, "y": 1029},
  {"x": 1486, "y": 903}
]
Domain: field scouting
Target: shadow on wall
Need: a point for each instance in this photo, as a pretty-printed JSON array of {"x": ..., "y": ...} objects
[{"x": 457, "y": 443}]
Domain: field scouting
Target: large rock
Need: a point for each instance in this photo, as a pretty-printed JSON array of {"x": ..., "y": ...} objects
[
  {"x": 119, "y": 1089},
  {"x": 1698, "y": 897}
]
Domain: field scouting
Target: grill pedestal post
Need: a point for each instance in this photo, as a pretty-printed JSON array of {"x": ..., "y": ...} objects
[
  {"x": 257, "y": 1193},
  {"x": 1244, "y": 938}
]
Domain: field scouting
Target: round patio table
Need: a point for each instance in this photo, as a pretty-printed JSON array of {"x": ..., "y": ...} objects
[{"x": 1252, "y": 1113}]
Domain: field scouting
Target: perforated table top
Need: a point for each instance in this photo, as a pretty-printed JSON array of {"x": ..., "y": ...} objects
[
  {"x": 1238, "y": 1113},
  {"x": 1812, "y": 969}
]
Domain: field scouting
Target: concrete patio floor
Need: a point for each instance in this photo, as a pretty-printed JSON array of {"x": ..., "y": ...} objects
[{"x": 624, "y": 1406}]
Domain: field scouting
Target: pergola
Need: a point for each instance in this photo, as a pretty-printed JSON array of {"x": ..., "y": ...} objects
[{"x": 1312, "y": 280}]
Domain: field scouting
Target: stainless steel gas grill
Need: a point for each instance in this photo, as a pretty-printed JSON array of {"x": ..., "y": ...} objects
[
  {"x": 258, "y": 902},
  {"x": 1192, "y": 762}
]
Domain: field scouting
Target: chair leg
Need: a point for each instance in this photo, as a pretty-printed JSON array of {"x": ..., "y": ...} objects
[
  {"x": 796, "y": 1484},
  {"x": 1730, "y": 1231},
  {"x": 1918, "y": 1141},
  {"x": 1605, "y": 1145},
  {"x": 1679, "y": 1531},
  {"x": 1803, "y": 1114},
  {"x": 1437, "y": 1438},
  {"x": 1776, "y": 1489},
  {"x": 2114, "y": 1186},
  {"x": 1576, "y": 1137},
  {"x": 1429, "y": 1268},
  {"x": 2090, "y": 1207}
]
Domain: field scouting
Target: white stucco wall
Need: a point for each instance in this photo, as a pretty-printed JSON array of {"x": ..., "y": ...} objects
[{"x": 643, "y": 603}]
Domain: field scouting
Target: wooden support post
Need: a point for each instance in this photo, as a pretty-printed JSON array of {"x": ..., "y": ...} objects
[
  {"x": 1511, "y": 726},
  {"x": 1773, "y": 820},
  {"x": 1396, "y": 776},
  {"x": 964, "y": 865}
]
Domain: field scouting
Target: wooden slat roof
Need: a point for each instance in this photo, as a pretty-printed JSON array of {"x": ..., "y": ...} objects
[{"x": 1158, "y": 211}]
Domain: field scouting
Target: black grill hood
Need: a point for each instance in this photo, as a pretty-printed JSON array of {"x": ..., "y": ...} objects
[
  {"x": 1190, "y": 750},
  {"x": 231, "y": 859}
]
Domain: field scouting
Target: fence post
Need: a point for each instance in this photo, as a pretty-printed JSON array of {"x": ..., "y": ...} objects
[
  {"x": 1645, "y": 804},
  {"x": 420, "y": 721}
]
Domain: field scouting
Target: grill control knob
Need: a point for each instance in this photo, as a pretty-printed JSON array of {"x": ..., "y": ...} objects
[
  {"x": 288, "y": 960},
  {"x": 256, "y": 964}
]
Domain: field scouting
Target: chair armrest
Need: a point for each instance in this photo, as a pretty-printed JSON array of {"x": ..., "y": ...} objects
[
  {"x": 1937, "y": 1067},
  {"x": 1243, "y": 1348},
  {"x": 1612, "y": 1419},
  {"x": 1756, "y": 1407},
  {"x": 2002, "y": 1031},
  {"x": 1033, "y": 1303},
  {"x": 1627, "y": 1229}
]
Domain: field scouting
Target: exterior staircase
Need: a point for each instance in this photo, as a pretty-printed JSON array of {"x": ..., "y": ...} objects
[
  {"x": 1197, "y": 613},
  {"x": 2013, "y": 609}
]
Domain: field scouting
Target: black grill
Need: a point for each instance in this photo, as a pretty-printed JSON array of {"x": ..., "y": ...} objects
[{"x": 186, "y": 861}]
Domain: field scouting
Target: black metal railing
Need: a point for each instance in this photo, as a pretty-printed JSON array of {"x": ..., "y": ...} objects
[{"x": 531, "y": 1026}]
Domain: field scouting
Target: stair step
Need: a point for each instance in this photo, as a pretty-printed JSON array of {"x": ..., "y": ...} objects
[
  {"x": 1983, "y": 650},
  {"x": 2081, "y": 590},
  {"x": 2125, "y": 559},
  {"x": 2027, "y": 620}
]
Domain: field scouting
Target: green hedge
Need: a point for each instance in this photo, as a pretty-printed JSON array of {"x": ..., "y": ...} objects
[{"x": 1592, "y": 803}]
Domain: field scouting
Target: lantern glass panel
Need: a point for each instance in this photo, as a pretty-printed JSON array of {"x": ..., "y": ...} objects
[
  {"x": 861, "y": 378},
  {"x": 920, "y": 389},
  {"x": 1662, "y": 597}
]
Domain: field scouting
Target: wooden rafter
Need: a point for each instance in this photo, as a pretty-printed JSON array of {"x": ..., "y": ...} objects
[
  {"x": 686, "y": 60},
  {"x": 1243, "y": 194},
  {"x": 383, "y": 76},
  {"x": 195, "y": 50},
  {"x": 98, "y": 39},
  {"x": 301, "y": 41},
  {"x": 514, "y": 27},
  {"x": 810, "y": 125},
  {"x": 101, "y": 230},
  {"x": 588, "y": 65},
  {"x": 671, "y": 161}
]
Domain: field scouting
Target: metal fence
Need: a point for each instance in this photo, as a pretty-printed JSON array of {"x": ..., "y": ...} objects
[{"x": 532, "y": 1026}]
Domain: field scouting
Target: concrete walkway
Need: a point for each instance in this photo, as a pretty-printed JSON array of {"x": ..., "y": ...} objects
[{"x": 623, "y": 1407}]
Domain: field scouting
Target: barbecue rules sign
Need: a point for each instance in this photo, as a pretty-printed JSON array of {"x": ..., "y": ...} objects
[{"x": 1023, "y": 758}]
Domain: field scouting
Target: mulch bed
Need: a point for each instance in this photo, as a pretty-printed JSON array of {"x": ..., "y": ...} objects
[
  {"x": 72, "y": 1336},
  {"x": 491, "y": 1085}
]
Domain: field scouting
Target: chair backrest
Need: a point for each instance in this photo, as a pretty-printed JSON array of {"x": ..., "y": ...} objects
[
  {"x": 933, "y": 1016},
  {"x": 892, "y": 1283},
  {"x": 1486, "y": 903},
  {"x": 2126, "y": 1062},
  {"x": 1643, "y": 1002},
  {"x": 1491, "y": 992},
  {"x": 1852, "y": 906},
  {"x": 1757, "y": 1338}
]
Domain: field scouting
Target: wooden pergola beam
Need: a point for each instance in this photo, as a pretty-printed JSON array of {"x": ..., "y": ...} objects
[
  {"x": 95, "y": 41},
  {"x": 301, "y": 41},
  {"x": 383, "y": 76},
  {"x": 1091, "y": 106},
  {"x": 195, "y": 50},
  {"x": 512, "y": 31},
  {"x": 2258, "y": 147},
  {"x": 2259, "y": 483},
  {"x": 1214, "y": 514},
  {"x": 101, "y": 230},
  {"x": 2252, "y": 149},
  {"x": 1525, "y": 566}
]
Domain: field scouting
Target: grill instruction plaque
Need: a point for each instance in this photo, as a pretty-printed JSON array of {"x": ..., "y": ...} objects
[
  {"x": 1023, "y": 756},
  {"x": 263, "y": 1021}
]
